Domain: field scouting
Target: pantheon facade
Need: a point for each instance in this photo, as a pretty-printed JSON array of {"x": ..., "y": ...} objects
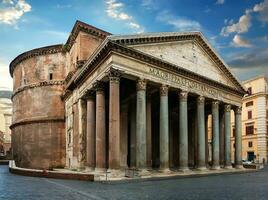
[{"x": 116, "y": 102}]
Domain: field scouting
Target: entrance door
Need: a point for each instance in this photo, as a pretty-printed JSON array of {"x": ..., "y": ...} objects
[{"x": 250, "y": 155}]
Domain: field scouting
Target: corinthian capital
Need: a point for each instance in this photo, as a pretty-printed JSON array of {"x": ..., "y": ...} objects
[
  {"x": 227, "y": 108},
  {"x": 141, "y": 84},
  {"x": 114, "y": 75},
  {"x": 183, "y": 95},
  {"x": 164, "y": 90},
  {"x": 99, "y": 86},
  {"x": 238, "y": 110},
  {"x": 200, "y": 100}
]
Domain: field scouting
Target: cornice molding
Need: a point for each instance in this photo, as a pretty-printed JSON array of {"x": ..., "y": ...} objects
[
  {"x": 35, "y": 85},
  {"x": 81, "y": 26},
  {"x": 37, "y": 120},
  {"x": 110, "y": 46},
  {"x": 33, "y": 53},
  {"x": 192, "y": 36}
]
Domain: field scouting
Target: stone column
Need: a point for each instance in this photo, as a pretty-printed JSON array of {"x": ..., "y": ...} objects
[
  {"x": 123, "y": 135},
  {"x": 201, "y": 164},
  {"x": 141, "y": 125},
  {"x": 91, "y": 128},
  {"x": 100, "y": 127},
  {"x": 183, "y": 128},
  {"x": 215, "y": 136},
  {"x": 114, "y": 120},
  {"x": 133, "y": 134},
  {"x": 227, "y": 135},
  {"x": 238, "y": 138},
  {"x": 82, "y": 126},
  {"x": 164, "y": 129},
  {"x": 149, "y": 131}
]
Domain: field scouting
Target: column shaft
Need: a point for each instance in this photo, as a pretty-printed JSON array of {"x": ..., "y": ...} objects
[
  {"x": 215, "y": 136},
  {"x": 164, "y": 129},
  {"x": 91, "y": 127},
  {"x": 82, "y": 114},
  {"x": 149, "y": 131},
  {"x": 201, "y": 132},
  {"x": 133, "y": 134},
  {"x": 141, "y": 125},
  {"x": 114, "y": 122},
  {"x": 123, "y": 135},
  {"x": 100, "y": 128},
  {"x": 183, "y": 128},
  {"x": 238, "y": 138},
  {"x": 227, "y": 135}
]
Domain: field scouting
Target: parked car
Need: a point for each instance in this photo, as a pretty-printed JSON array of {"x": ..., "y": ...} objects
[{"x": 246, "y": 162}]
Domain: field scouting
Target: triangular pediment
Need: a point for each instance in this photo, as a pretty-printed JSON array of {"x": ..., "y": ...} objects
[
  {"x": 188, "y": 55},
  {"x": 189, "y": 51}
]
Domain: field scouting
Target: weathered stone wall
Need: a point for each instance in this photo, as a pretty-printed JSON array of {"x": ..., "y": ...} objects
[{"x": 38, "y": 127}]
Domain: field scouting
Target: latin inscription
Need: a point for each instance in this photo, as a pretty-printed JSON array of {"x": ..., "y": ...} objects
[{"x": 183, "y": 82}]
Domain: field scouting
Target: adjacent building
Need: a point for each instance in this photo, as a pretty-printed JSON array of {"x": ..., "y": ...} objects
[
  {"x": 5, "y": 121},
  {"x": 104, "y": 101},
  {"x": 254, "y": 120}
]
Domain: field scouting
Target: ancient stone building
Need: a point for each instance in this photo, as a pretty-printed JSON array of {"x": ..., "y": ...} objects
[{"x": 105, "y": 101}]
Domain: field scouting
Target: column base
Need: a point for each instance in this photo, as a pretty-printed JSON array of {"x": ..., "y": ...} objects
[
  {"x": 165, "y": 170},
  {"x": 184, "y": 169},
  {"x": 201, "y": 168},
  {"x": 239, "y": 167},
  {"x": 216, "y": 167},
  {"x": 100, "y": 170},
  {"x": 116, "y": 172},
  {"x": 228, "y": 167},
  {"x": 90, "y": 169},
  {"x": 143, "y": 172}
]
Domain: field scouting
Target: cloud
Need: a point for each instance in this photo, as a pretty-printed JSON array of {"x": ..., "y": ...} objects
[
  {"x": 59, "y": 6},
  {"x": 242, "y": 26},
  {"x": 11, "y": 11},
  {"x": 255, "y": 58},
  {"x": 262, "y": 9},
  {"x": 240, "y": 42},
  {"x": 150, "y": 4},
  {"x": 115, "y": 11},
  {"x": 244, "y": 22},
  {"x": 219, "y": 2},
  {"x": 179, "y": 23},
  {"x": 6, "y": 80}
]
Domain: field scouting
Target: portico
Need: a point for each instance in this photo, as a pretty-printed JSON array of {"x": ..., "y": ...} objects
[{"x": 146, "y": 113}]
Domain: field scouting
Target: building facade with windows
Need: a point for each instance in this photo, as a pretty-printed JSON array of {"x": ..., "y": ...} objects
[
  {"x": 114, "y": 102},
  {"x": 5, "y": 120},
  {"x": 254, "y": 120}
]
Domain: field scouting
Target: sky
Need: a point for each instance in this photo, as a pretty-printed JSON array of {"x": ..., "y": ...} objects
[{"x": 237, "y": 29}]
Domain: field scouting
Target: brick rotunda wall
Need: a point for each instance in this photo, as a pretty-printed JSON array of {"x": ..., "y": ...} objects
[{"x": 38, "y": 127}]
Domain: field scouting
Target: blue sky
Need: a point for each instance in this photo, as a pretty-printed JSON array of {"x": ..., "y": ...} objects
[{"x": 237, "y": 29}]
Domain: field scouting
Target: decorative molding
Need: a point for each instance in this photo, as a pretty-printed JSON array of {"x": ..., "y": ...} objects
[
  {"x": 227, "y": 108},
  {"x": 183, "y": 95},
  {"x": 81, "y": 26},
  {"x": 114, "y": 75},
  {"x": 141, "y": 84},
  {"x": 99, "y": 86},
  {"x": 39, "y": 84},
  {"x": 114, "y": 47},
  {"x": 175, "y": 36},
  {"x": 201, "y": 99},
  {"x": 33, "y": 53},
  {"x": 37, "y": 120},
  {"x": 164, "y": 90},
  {"x": 238, "y": 110}
]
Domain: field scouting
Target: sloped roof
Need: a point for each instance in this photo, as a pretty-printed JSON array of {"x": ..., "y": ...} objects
[{"x": 123, "y": 43}]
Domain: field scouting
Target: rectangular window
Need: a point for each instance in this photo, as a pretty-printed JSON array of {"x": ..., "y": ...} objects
[
  {"x": 50, "y": 76},
  {"x": 250, "y": 144},
  {"x": 250, "y": 103},
  {"x": 250, "y": 114},
  {"x": 250, "y": 130},
  {"x": 250, "y": 90},
  {"x": 233, "y": 132}
]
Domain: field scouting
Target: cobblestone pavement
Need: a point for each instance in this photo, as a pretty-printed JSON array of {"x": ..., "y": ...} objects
[{"x": 232, "y": 186}]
